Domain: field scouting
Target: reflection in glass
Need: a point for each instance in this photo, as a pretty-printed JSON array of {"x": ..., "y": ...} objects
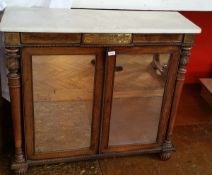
[
  {"x": 137, "y": 98},
  {"x": 63, "y": 99}
]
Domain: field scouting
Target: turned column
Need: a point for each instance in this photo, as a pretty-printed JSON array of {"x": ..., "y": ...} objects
[
  {"x": 14, "y": 83},
  {"x": 167, "y": 147}
]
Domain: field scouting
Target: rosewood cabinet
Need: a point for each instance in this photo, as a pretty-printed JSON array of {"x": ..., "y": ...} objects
[{"x": 82, "y": 95}]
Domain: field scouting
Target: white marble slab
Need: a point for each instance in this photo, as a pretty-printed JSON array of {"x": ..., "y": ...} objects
[{"x": 94, "y": 21}]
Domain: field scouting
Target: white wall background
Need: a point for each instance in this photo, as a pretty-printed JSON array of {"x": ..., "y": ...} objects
[
  {"x": 196, "y": 5},
  {"x": 185, "y": 5}
]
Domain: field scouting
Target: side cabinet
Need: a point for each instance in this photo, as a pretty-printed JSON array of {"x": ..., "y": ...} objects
[{"x": 83, "y": 96}]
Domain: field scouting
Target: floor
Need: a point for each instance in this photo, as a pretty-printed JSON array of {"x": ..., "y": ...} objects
[
  {"x": 193, "y": 109},
  {"x": 192, "y": 138}
]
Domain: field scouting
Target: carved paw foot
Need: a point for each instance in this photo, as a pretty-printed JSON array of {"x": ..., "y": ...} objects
[
  {"x": 19, "y": 168},
  {"x": 165, "y": 155},
  {"x": 21, "y": 171}
]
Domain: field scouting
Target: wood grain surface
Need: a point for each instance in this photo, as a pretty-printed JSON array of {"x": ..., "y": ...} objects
[
  {"x": 50, "y": 38},
  {"x": 206, "y": 91},
  {"x": 207, "y": 83},
  {"x": 63, "y": 78}
]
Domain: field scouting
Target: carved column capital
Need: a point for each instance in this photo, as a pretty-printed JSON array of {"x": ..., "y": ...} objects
[
  {"x": 12, "y": 56},
  {"x": 184, "y": 59},
  {"x": 185, "y": 54},
  {"x": 13, "y": 65}
]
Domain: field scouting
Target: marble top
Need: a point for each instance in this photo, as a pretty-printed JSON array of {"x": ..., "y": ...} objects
[{"x": 94, "y": 21}]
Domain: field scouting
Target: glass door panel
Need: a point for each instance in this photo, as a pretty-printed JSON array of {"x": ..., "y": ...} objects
[
  {"x": 63, "y": 101},
  {"x": 137, "y": 98}
]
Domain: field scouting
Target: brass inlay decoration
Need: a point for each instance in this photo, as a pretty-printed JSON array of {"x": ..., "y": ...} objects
[
  {"x": 188, "y": 38},
  {"x": 12, "y": 38},
  {"x": 107, "y": 38}
]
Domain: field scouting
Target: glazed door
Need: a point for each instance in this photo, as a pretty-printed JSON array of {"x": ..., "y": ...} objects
[
  {"x": 62, "y": 90},
  {"x": 139, "y": 85}
]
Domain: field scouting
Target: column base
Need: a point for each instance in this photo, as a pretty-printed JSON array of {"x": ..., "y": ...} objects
[
  {"x": 167, "y": 150},
  {"x": 19, "y": 168}
]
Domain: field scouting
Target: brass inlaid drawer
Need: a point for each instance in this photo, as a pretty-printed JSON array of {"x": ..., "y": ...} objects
[
  {"x": 12, "y": 38},
  {"x": 157, "y": 38},
  {"x": 50, "y": 38},
  {"x": 107, "y": 38}
]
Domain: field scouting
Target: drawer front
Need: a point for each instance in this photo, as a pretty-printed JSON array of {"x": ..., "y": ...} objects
[
  {"x": 107, "y": 39},
  {"x": 12, "y": 38},
  {"x": 50, "y": 38},
  {"x": 157, "y": 38}
]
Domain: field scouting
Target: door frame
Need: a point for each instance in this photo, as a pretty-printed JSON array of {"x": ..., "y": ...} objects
[
  {"x": 27, "y": 94},
  {"x": 167, "y": 97}
]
